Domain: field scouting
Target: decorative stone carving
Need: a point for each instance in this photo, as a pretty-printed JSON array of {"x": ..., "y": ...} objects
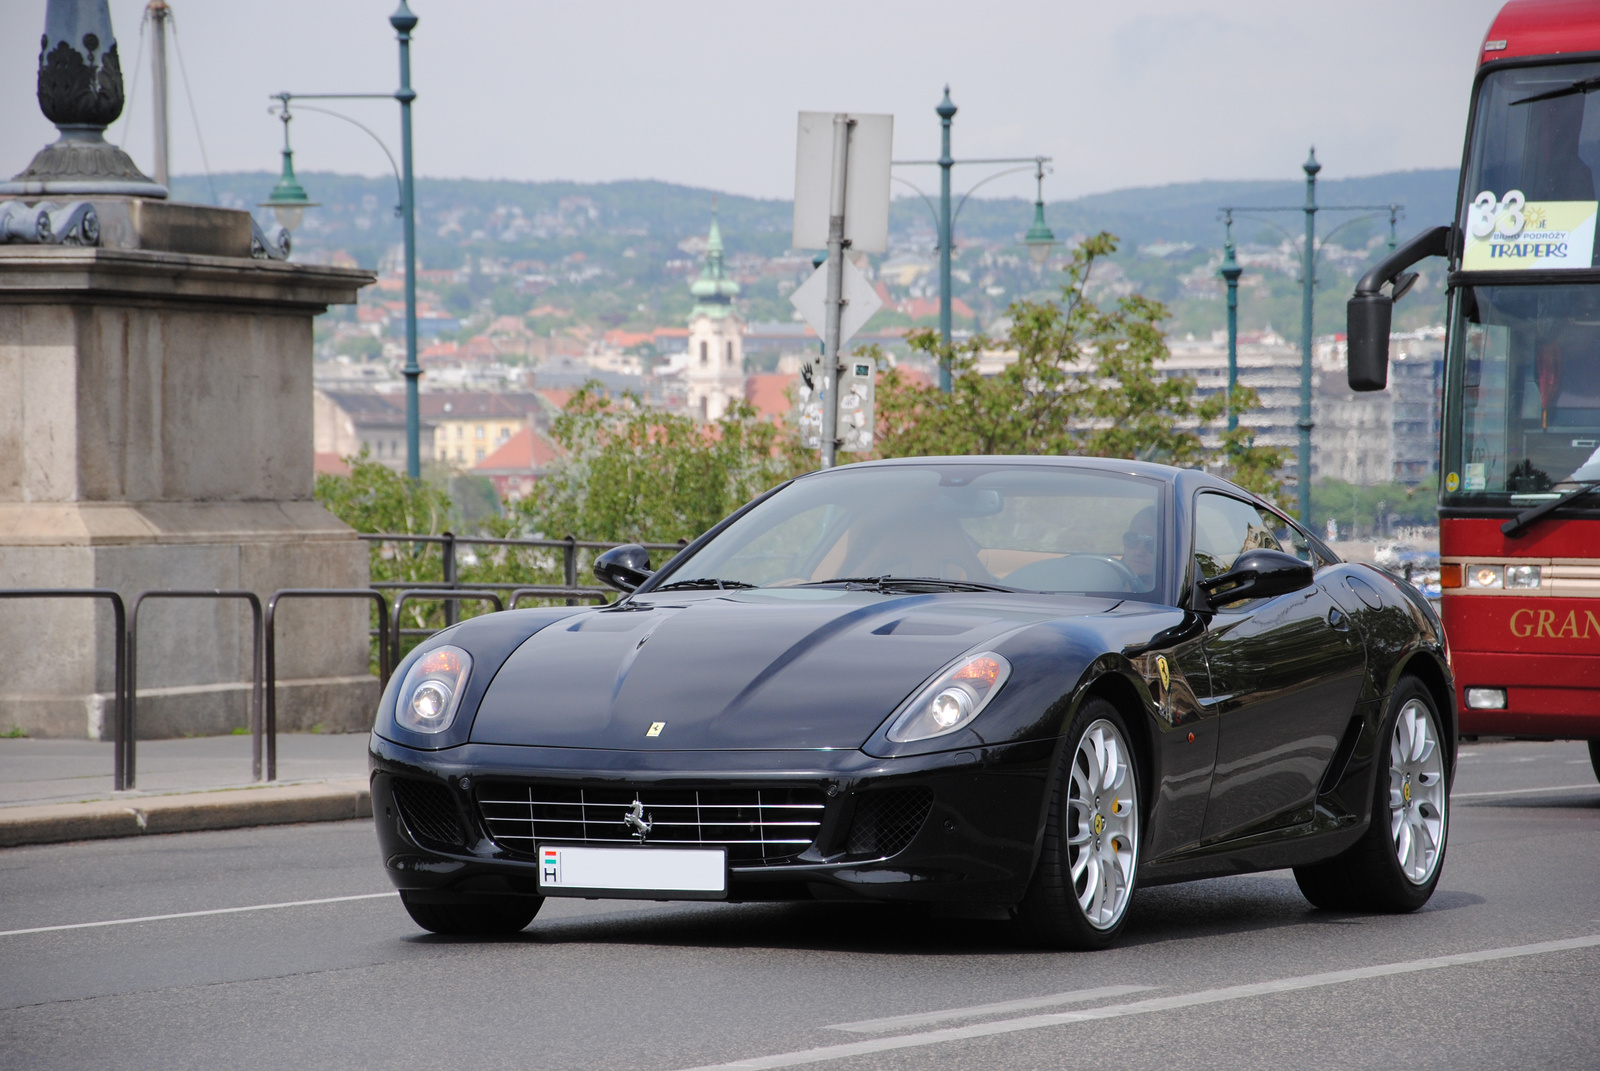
[{"x": 74, "y": 91}]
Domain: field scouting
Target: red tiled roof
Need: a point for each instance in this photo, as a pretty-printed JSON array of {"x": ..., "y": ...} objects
[
  {"x": 916, "y": 308},
  {"x": 526, "y": 451},
  {"x": 769, "y": 393},
  {"x": 556, "y": 396},
  {"x": 328, "y": 463}
]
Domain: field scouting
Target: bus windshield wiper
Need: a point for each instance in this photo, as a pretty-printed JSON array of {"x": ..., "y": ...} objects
[
  {"x": 708, "y": 583},
  {"x": 1582, "y": 85},
  {"x": 1515, "y": 525},
  {"x": 911, "y": 583}
]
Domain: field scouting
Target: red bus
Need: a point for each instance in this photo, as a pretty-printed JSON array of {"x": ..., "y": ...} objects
[{"x": 1519, "y": 492}]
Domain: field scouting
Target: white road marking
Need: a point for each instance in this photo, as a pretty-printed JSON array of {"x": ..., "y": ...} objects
[
  {"x": 1521, "y": 791},
  {"x": 1142, "y": 1007},
  {"x": 896, "y": 1022},
  {"x": 197, "y": 914}
]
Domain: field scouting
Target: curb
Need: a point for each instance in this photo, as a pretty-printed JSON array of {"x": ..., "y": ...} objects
[{"x": 326, "y": 801}]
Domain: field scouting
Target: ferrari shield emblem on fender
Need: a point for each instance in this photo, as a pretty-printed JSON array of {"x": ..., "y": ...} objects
[{"x": 1166, "y": 674}]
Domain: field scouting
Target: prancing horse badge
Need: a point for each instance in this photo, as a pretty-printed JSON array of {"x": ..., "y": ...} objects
[
  {"x": 1166, "y": 675},
  {"x": 657, "y": 726}
]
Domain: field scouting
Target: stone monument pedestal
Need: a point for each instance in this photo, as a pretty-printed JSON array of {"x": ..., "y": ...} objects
[{"x": 155, "y": 432}]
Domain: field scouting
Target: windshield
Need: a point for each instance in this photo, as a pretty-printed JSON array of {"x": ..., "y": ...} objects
[
  {"x": 1026, "y": 527},
  {"x": 1525, "y": 388},
  {"x": 1529, "y": 200}
]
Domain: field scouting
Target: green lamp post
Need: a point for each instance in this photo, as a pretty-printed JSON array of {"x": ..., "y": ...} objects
[
  {"x": 1040, "y": 238},
  {"x": 1230, "y": 272},
  {"x": 288, "y": 200}
]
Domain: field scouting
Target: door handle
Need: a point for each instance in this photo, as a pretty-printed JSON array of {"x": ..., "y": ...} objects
[{"x": 1338, "y": 620}]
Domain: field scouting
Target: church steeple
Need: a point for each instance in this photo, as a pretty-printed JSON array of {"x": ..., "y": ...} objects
[{"x": 714, "y": 291}]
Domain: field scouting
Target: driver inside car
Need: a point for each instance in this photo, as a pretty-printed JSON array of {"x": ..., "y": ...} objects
[{"x": 1139, "y": 548}]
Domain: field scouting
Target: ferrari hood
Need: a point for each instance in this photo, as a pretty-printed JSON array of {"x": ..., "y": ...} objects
[{"x": 758, "y": 670}]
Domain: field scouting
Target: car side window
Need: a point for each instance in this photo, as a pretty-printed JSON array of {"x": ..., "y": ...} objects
[{"x": 1226, "y": 527}]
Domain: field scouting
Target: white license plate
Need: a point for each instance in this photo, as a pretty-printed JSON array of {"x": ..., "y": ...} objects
[{"x": 641, "y": 872}]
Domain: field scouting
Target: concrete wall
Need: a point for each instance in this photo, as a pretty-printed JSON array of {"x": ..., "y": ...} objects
[{"x": 156, "y": 433}]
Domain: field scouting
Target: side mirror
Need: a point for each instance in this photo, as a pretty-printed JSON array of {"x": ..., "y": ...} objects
[
  {"x": 1367, "y": 327},
  {"x": 1370, "y": 311},
  {"x": 1258, "y": 574},
  {"x": 624, "y": 567}
]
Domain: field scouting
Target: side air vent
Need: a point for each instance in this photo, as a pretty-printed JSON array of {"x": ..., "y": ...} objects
[
  {"x": 886, "y": 820},
  {"x": 429, "y": 811},
  {"x": 1341, "y": 757}
]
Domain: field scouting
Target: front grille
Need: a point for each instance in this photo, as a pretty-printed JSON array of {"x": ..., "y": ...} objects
[
  {"x": 756, "y": 825},
  {"x": 429, "y": 811},
  {"x": 886, "y": 820}
]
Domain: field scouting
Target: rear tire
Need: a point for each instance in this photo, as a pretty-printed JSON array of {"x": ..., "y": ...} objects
[
  {"x": 468, "y": 917},
  {"x": 1395, "y": 866},
  {"x": 1594, "y": 757},
  {"x": 1088, "y": 867}
]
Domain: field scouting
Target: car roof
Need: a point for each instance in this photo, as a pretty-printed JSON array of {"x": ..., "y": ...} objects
[{"x": 1186, "y": 477}]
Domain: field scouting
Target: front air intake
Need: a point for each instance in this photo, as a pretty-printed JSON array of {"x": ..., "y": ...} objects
[
  {"x": 429, "y": 811},
  {"x": 886, "y": 820}
]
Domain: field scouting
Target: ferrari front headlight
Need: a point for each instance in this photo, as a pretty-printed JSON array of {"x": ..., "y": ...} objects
[
  {"x": 431, "y": 692},
  {"x": 952, "y": 699}
]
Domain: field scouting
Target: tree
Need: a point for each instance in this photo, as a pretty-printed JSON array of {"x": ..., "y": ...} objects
[
  {"x": 634, "y": 474},
  {"x": 1086, "y": 380}
]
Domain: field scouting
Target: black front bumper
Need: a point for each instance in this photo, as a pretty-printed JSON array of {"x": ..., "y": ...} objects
[{"x": 977, "y": 845}]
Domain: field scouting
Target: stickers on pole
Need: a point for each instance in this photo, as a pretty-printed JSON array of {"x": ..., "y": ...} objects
[
  {"x": 1511, "y": 233},
  {"x": 856, "y": 411}
]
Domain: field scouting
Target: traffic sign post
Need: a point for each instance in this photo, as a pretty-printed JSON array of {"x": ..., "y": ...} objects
[{"x": 855, "y": 160}]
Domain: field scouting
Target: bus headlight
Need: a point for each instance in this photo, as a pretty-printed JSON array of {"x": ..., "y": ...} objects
[
  {"x": 1485, "y": 576},
  {"x": 1522, "y": 576}
]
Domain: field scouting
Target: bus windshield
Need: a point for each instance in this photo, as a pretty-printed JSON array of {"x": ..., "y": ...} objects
[
  {"x": 1534, "y": 156},
  {"x": 1524, "y": 377}
]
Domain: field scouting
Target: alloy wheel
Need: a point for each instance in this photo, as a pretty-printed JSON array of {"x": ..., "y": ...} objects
[
  {"x": 1417, "y": 798},
  {"x": 1102, "y": 824}
]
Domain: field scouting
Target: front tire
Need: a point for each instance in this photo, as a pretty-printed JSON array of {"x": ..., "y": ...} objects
[
  {"x": 472, "y": 917},
  {"x": 1594, "y": 757},
  {"x": 1089, "y": 863},
  {"x": 1395, "y": 866}
]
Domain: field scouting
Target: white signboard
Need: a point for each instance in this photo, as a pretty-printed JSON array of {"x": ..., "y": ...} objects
[
  {"x": 861, "y": 301},
  {"x": 866, "y": 196}
]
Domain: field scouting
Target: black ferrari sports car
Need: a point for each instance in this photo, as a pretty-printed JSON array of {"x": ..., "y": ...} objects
[{"x": 1015, "y": 685}]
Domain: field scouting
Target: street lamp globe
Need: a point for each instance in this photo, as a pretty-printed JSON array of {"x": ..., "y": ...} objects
[{"x": 1039, "y": 239}]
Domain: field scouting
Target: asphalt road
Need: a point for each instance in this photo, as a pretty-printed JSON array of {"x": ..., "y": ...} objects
[{"x": 1501, "y": 970}]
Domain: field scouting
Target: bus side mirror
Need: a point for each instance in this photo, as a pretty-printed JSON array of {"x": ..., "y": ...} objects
[
  {"x": 1370, "y": 311},
  {"x": 1367, "y": 329}
]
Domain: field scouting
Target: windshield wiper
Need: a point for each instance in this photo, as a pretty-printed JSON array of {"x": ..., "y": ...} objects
[
  {"x": 1515, "y": 525},
  {"x": 1582, "y": 85},
  {"x": 708, "y": 583},
  {"x": 929, "y": 583}
]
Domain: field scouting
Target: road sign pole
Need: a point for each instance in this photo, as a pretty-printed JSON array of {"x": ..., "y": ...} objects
[{"x": 835, "y": 301}]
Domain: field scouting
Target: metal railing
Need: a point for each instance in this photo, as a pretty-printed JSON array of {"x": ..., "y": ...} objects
[
  {"x": 122, "y": 722},
  {"x": 389, "y": 633},
  {"x": 257, "y": 658},
  {"x": 385, "y": 664}
]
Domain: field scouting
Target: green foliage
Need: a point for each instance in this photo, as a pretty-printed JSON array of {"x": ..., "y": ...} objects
[
  {"x": 1357, "y": 508},
  {"x": 365, "y": 347},
  {"x": 16, "y": 732},
  {"x": 1086, "y": 380},
  {"x": 633, "y": 474}
]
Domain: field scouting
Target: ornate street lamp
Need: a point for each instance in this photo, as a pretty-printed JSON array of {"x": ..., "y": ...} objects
[
  {"x": 288, "y": 200},
  {"x": 1040, "y": 238}
]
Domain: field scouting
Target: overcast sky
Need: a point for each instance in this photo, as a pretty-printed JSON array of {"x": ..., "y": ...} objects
[{"x": 1129, "y": 93}]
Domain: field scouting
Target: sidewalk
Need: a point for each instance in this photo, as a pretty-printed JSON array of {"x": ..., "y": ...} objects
[{"x": 58, "y": 790}]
